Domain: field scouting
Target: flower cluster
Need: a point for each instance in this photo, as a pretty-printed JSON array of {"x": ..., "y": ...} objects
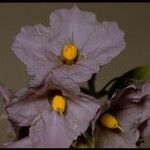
[
  {"x": 69, "y": 51},
  {"x": 131, "y": 107}
]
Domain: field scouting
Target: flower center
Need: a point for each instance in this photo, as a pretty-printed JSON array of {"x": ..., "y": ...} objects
[
  {"x": 58, "y": 103},
  {"x": 70, "y": 52},
  {"x": 110, "y": 121}
]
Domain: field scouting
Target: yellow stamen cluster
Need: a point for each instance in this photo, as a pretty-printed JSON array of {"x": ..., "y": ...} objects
[
  {"x": 70, "y": 52},
  {"x": 58, "y": 103},
  {"x": 110, "y": 121}
]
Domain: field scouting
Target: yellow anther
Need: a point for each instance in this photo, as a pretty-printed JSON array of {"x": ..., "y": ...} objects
[
  {"x": 110, "y": 121},
  {"x": 70, "y": 52},
  {"x": 58, "y": 104}
]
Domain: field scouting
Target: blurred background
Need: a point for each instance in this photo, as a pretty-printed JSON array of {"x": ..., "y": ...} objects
[{"x": 132, "y": 18}]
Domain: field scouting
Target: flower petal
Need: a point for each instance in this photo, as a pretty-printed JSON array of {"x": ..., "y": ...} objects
[
  {"x": 131, "y": 108},
  {"x": 112, "y": 139},
  {"x": 6, "y": 94},
  {"x": 56, "y": 131},
  {"x": 77, "y": 72},
  {"x": 142, "y": 91},
  {"x": 107, "y": 35},
  {"x": 21, "y": 93},
  {"x": 64, "y": 84},
  {"x": 145, "y": 132},
  {"x": 81, "y": 111},
  {"x": 30, "y": 48},
  {"x": 98, "y": 42},
  {"x": 72, "y": 24},
  {"x": 31, "y": 101},
  {"x": 133, "y": 112},
  {"x": 51, "y": 131},
  {"x": 23, "y": 143},
  {"x": 103, "y": 45},
  {"x": 24, "y": 111}
]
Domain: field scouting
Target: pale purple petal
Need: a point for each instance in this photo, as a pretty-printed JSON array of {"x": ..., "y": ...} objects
[
  {"x": 132, "y": 96},
  {"x": 23, "y": 143},
  {"x": 107, "y": 36},
  {"x": 131, "y": 107},
  {"x": 59, "y": 82},
  {"x": 29, "y": 46},
  {"x": 112, "y": 139},
  {"x": 39, "y": 47},
  {"x": 48, "y": 128},
  {"x": 21, "y": 93},
  {"x": 78, "y": 72},
  {"x": 82, "y": 109},
  {"x": 98, "y": 42},
  {"x": 32, "y": 101},
  {"x": 144, "y": 128},
  {"x": 55, "y": 131},
  {"x": 145, "y": 132},
  {"x": 24, "y": 111},
  {"x": 142, "y": 91},
  {"x": 103, "y": 45},
  {"x": 65, "y": 84},
  {"x": 133, "y": 110},
  {"x": 73, "y": 25},
  {"x": 6, "y": 94},
  {"x": 51, "y": 131}
]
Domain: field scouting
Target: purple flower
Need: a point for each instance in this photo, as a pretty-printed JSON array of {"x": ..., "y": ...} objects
[
  {"x": 75, "y": 45},
  {"x": 57, "y": 112},
  {"x": 131, "y": 108}
]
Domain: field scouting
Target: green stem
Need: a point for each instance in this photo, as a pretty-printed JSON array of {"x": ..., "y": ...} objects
[
  {"x": 91, "y": 85},
  {"x": 88, "y": 139},
  {"x": 84, "y": 90},
  {"x": 103, "y": 91}
]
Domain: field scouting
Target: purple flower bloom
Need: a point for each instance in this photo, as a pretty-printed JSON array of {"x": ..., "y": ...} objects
[
  {"x": 131, "y": 107},
  {"x": 75, "y": 45},
  {"x": 57, "y": 112}
]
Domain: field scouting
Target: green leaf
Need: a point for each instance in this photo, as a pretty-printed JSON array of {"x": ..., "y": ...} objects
[
  {"x": 140, "y": 73},
  {"x": 134, "y": 76}
]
